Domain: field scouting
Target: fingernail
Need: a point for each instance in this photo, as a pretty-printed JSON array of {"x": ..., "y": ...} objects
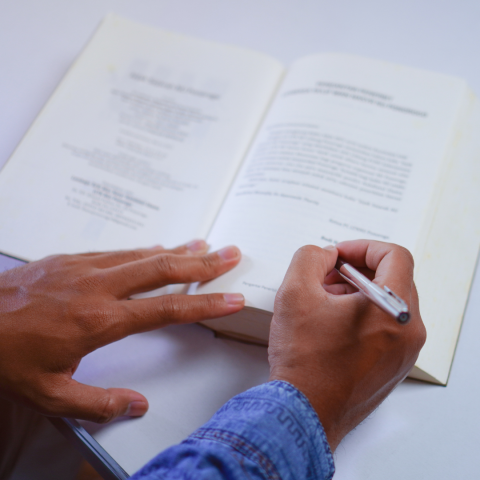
[
  {"x": 196, "y": 245},
  {"x": 329, "y": 247},
  {"x": 228, "y": 253},
  {"x": 234, "y": 299},
  {"x": 136, "y": 409}
]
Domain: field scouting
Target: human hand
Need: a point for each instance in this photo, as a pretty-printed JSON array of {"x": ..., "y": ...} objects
[
  {"x": 55, "y": 311},
  {"x": 339, "y": 349}
]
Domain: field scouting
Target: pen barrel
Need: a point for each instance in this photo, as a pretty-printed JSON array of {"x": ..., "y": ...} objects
[{"x": 388, "y": 302}]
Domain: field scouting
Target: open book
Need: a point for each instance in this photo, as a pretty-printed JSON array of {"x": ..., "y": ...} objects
[{"x": 154, "y": 137}]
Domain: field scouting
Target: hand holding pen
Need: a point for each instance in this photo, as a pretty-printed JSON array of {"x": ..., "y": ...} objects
[{"x": 334, "y": 344}]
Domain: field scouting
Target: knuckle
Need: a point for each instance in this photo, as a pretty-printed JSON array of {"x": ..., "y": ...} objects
[
  {"x": 169, "y": 307},
  {"x": 91, "y": 281},
  {"x": 105, "y": 411},
  {"x": 209, "y": 262},
  {"x": 134, "y": 255},
  {"x": 91, "y": 319},
  {"x": 167, "y": 266},
  {"x": 308, "y": 250},
  {"x": 405, "y": 254},
  {"x": 208, "y": 303}
]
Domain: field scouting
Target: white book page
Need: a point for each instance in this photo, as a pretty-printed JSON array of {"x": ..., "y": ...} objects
[
  {"x": 351, "y": 148},
  {"x": 446, "y": 261},
  {"x": 137, "y": 146}
]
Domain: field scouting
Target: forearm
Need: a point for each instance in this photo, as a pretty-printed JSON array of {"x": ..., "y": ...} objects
[{"x": 270, "y": 431}]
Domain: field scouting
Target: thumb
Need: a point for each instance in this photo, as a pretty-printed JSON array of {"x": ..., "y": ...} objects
[{"x": 99, "y": 405}]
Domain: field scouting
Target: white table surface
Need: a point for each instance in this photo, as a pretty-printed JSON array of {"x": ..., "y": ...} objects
[{"x": 421, "y": 431}]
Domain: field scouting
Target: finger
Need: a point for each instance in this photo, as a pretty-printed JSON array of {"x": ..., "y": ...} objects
[
  {"x": 96, "y": 404},
  {"x": 336, "y": 284},
  {"x": 311, "y": 265},
  {"x": 160, "y": 270},
  {"x": 335, "y": 277},
  {"x": 340, "y": 288},
  {"x": 392, "y": 264},
  {"x": 195, "y": 247},
  {"x": 111, "y": 259},
  {"x": 141, "y": 315},
  {"x": 303, "y": 286}
]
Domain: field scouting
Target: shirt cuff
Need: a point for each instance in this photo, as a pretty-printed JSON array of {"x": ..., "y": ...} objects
[{"x": 275, "y": 426}]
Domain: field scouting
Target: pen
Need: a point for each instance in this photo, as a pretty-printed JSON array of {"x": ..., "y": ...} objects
[{"x": 384, "y": 299}]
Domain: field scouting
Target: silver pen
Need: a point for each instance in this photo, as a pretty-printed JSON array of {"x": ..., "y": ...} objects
[{"x": 384, "y": 299}]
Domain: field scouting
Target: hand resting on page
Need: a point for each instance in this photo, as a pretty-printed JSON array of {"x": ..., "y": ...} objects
[{"x": 55, "y": 311}]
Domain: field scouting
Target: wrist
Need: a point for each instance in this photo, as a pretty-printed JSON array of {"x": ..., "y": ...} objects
[{"x": 323, "y": 399}]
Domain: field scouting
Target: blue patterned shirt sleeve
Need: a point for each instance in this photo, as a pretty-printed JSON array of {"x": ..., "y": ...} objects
[{"x": 267, "y": 432}]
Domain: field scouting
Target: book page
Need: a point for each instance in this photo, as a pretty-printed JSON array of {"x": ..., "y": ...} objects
[
  {"x": 448, "y": 253},
  {"x": 137, "y": 146},
  {"x": 352, "y": 148}
]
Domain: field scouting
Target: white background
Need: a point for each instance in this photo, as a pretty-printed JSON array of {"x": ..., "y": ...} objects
[{"x": 421, "y": 431}]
